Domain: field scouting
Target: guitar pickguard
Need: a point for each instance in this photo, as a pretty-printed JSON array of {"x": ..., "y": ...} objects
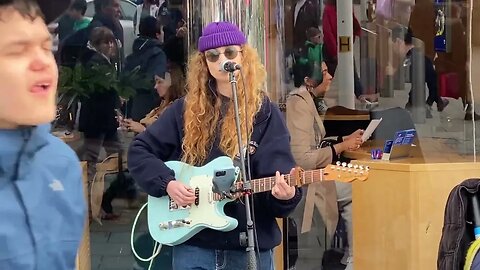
[{"x": 172, "y": 206}]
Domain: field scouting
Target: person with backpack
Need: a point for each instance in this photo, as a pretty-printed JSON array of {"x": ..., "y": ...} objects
[{"x": 150, "y": 61}]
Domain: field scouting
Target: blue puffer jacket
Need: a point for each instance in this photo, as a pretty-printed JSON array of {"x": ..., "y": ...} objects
[{"x": 42, "y": 206}]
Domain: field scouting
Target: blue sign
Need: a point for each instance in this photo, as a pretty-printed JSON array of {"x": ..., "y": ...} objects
[{"x": 441, "y": 40}]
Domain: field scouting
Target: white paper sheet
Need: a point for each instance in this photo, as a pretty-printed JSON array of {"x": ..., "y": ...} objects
[{"x": 370, "y": 129}]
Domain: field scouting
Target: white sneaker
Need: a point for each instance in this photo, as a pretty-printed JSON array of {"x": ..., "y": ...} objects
[
  {"x": 346, "y": 257},
  {"x": 347, "y": 261}
]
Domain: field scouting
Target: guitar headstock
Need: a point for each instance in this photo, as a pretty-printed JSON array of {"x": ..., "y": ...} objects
[{"x": 343, "y": 172}]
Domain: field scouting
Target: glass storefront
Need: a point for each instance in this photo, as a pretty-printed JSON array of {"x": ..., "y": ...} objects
[{"x": 425, "y": 83}]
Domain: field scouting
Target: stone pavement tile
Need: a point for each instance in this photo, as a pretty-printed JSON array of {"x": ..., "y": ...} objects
[
  {"x": 110, "y": 227},
  {"x": 96, "y": 261},
  {"x": 110, "y": 249},
  {"x": 117, "y": 263},
  {"x": 119, "y": 237},
  {"x": 307, "y": 264},
  {"x": 99, "y": 237}
]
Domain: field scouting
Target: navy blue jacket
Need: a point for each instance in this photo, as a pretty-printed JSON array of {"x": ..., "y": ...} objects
[
  {"x": 147, "y": 53},
  {"x": 162, "y": 142},
  {"x": 149, "y": 56}
]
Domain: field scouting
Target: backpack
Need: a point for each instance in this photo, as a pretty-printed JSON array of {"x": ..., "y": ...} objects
[
  {"x": 145, "y": 64},
  {"x": 473, "y": 261},
  {"x": 458, "y": 231}
]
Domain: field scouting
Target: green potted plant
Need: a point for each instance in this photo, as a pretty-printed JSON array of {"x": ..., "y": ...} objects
[{"x": 80, "y": 82}]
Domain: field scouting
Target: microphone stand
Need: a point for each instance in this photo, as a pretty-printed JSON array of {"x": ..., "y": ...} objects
[{"x": 252, "y": 260}]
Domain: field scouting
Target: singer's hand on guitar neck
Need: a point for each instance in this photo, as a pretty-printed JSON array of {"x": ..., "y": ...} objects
[
  {"x": 181, "y": 194},
  {"x": 282, "y": 190}
]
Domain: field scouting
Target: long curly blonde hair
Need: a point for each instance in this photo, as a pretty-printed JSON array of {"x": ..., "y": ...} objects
[{"x": 202, "y": 108}]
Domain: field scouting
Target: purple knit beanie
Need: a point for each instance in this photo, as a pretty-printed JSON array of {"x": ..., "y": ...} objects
[{"x": 219, "y": 34}]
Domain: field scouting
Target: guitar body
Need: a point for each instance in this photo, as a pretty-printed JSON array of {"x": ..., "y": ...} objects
[{"x": 172, "y": 225}]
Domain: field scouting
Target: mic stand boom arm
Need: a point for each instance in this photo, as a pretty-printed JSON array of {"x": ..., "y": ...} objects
[{"x": 252, "y": 262}]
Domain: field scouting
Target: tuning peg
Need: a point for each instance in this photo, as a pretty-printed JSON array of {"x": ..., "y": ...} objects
[
  {"x": 350, "y": 165},
  {"x": 361, "y": 167},
  {"x": 344, "y": 164},
  {"x": 367, "y": 168},
  {"x": 338, "y": 163}
]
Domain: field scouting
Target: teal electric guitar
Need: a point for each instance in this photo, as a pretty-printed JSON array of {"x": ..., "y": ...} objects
[{"x": 170, "y": 224}]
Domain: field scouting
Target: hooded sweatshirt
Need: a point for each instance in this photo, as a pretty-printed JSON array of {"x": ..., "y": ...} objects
[
  {"x": 162, "y": 141},
  {"x": 149, "y": 56}
]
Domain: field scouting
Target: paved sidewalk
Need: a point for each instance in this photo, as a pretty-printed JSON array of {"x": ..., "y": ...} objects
[{"x": 110, "y": 242}]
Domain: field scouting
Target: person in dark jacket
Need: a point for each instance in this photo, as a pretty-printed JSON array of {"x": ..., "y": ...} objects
[
  {"x": 174, "y": 33},
  {"x": 201, "y": 127},
  {"x": 42, "y": 204},
  {"x": 402, "y": 40},
  {"x": 97, "y": 114},
  {"x": 149, "y": 57},
  {"x": 107, "y": 14},
  {"x": 169, "y": 89},
  {"x": 305, "y": 15},
  {"x": 73, "y": 20}
]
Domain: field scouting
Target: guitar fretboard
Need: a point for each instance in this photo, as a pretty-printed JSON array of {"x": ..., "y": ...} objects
[{"x": 267, "y": 183}]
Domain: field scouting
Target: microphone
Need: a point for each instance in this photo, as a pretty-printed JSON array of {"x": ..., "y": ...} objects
[{"x": 229, "y": 66}]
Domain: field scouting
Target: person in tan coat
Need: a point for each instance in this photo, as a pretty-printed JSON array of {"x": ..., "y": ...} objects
[{"x": 312, "y": 150}]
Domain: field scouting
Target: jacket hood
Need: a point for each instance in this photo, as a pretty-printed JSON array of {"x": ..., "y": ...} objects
[
  {"x": 308, "y": 43},
  {"x": 142, "y": 45}
]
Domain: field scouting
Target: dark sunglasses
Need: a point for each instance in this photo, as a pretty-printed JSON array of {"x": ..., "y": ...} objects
[{"x": 213, "y": 54}]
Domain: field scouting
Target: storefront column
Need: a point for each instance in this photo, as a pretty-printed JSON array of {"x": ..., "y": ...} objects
[{"x": 344, "y": 70}]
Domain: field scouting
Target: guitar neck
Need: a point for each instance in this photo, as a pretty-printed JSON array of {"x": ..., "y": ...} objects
[{"x": 267, "y": 183}]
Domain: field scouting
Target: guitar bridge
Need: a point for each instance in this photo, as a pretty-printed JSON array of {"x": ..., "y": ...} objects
[{"x": 172, "y": 224}]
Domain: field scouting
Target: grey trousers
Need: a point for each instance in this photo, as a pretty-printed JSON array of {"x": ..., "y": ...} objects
[
  {"x": 344, "y": 200},
  {"x": 92, "y": 145}
]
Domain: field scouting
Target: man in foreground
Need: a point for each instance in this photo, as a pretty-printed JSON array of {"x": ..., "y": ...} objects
[{"x": 42, "y": 207}]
